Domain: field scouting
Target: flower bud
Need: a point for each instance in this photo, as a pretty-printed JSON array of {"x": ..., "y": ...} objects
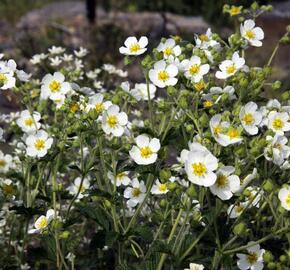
[
  {"x": 283, "y": 258},
  {"x": 268, "y": 256},
  {"x": 204, "y": 119},
  {"x": 285, "y": 40},
  {"x": 271, "y": 265},
  {"x": 191, "y": 191},
  {"x": 183, "y": 103},
  {"x": 64, "y": 235},
  {"x": 146, "y": 61},
  {"x": 189, "y": 128},
  {"x": 285, "y": 96},
  {"x": 171, "y": 90},
  {"x": 116, "y": 99},
  {"x": 165, "y": 174},
  {"x": 171, "y": 185},
  {"x": 163, "y": 203},
  {"x": 268, "y": 185},
  {"x": 276, "y": 85},
  {"x": 240, "y": 229}
]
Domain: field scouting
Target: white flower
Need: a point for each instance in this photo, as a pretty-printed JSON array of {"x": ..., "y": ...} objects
[
  {"x": 38, "y": 144},
  {"x": 205, "y": 41},
  {"x": 250, "y": 118},
  {"x": 278, "y": 122},
  {"x": 162, "y": 74},
  {"x": 56, "y": 50},
  {"x": 284, "y": 197},
  {"x": 146, "y": 150},
  {"x": 235, "y": 210},
  {"x": 27, "y": 122},
  {"x": 140, "y": 91},
  {"x": 7, "y": 69},
  {"x": 193, "y": 69},
  {"x": 254, "y": 195},
  {"x": 194, "y": 266},
  {"x": 37, "y": 58},
  {"x": 1, "y": 134},
  {"x": 5, "y": 162},
  {"x": 277, "y": 150},
  {"x": 97, "y": 102},
  {"x": 159, "y": 188},
  {"x": 252, "y": 34},
  {"x": 220, "y": 91},
  {"x": 253, "y": 260},
  {"x": 122, "y": 178},
  {"x": 218, "y": 127},
  {"x": 22, "y": 75},
  {"x": 113, "y": 121},
  {"x": 55, "y": 61},
  {"x": 76, "y": 186},
  {"x": 230, "y": 67},
  {"x": 133, "y": 46},
  {"x": 42, "y": 222},
  {"x": 67, "y": 57},
  {"x": 54, "y": 86},
  {"x": 135, "y": 193},
  {"x": 200, "y": 166},
  {"x": 226, "y": 183},
  {"x": 169, "y": 48},
  {"x": 82, "y": 52}
]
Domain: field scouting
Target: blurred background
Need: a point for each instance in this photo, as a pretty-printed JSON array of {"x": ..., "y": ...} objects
[{"x": 29, "y": 27}]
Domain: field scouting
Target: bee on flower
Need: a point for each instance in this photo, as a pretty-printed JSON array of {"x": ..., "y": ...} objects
[
  {"x": 113, "y": 121},
  {"x": 134, "y": 46},
  {"x": 159, "y": 188},
  {"x": 284, "y": 197},
  {"x": 38, "y": 144},
  {"x": 229, "y": 67},
  {"x": 169, "y": 48},
  {"x": 145, "y": 151},
  {"x": 250, "y": 118},
  {"x": 121, "y": 178},
  {"x": 28, "y": 122},
  {"x": 253, "y": 35},
  {"x": 163, "y": 74},
  {"x": 135, "y": 193},
  {"x": 253, "y": 260},
  {"x": 42, "y": 222},
  {"x": 278, "y": 122}
]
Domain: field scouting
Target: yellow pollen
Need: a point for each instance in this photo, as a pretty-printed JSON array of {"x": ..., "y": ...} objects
[
  {"x": 233, "y": 133},
  {"x": 203, "y": 38},
  {"x": 99, "y": 107},
  {"x": 207, "y": 104},
  {"x": 74, "y": 108},
  {"x": 163, "y": 75},
  {"x": 200, "y": 85},
  {"x": 121, "y": 175},
  {"x": 194, "y": 69},
  {"x": 136, "y": 192},
  {"x": 112, "y": 121},
  {"x": 199, "y": 169},
  {"x": 42, "y": 223},
  {"x": 221, "y": 180},
  {"x": 217, "y": 129},
  {"x": 250, "y": 34},
  {"x": 235, "y": 10},
  {"x": 168, "y": 51},
  {"x": 54, "y": 86},
  {"x": 248, "y": 119},
  {"x": 288, "y": 200},
  {"x": 252, "y": 257},
  {"x": 2, "y": 162},
  {"x": 231, "y": 69},
  {"x": 28, "y": 122},
  {"x": 162, "y": 187},
  {"x": 146, "y": 152},
  {"x": 3, "y": 78},
  {"x": 39, "y": 144},
  {"x": 134, "y": 48},
  {"x": 278, "y": 123}
]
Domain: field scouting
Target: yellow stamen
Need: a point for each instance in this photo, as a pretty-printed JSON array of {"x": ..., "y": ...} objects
[
  {"x": 54, "y": 86},
  {"x": 252, "y": 257},
  {"x": 162, "y": 187},
  {"x": 146, "y": 152},
  {"x": 203, "y": 38},
  {"x": 231, "y": 69},
  {"x": 42, "y": 223},
  {"x": 200, "y": 85},
  {"x": 194, "y": 69},
  {"x": 168, "y": 51},
  {"x": 234, "y": 11},
  {"x": 3, "y": 78},
  {"x": 233, "y": 133},
  {"x": 136, "y": 192},
  {"x": 2, "y": 163},
  {"x": 199, "y": 169},
  {"x": 250, "y": 34},
  {"x": 99, "y": 107},
  {"x": 278, "y": 123},
  {"x": 134, "y": 48},
  {"x": 28, "y": 122},
  {"x": 74, "y": 108},
  {"x": 248, "y": 119},
  {"x": 221, "y": 180},
  {"x": 288, "y": 200},
  {"x": 163, "y": 75},
  {"x": 112, "y": 121},
  {"x": 39, "y": 144},
  {"x": 207, "y": 104}
]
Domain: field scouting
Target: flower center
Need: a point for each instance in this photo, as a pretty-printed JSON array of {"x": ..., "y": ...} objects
[
  {"x": 221, "y": 180},
  {"x": 163, "y": 75},
  {"x": 146, "y": 152},
  {"x": 250, "y": 34},
  {"x": 54, "y": 86},
  {"x": 134, "y": 48},
  {"x": 233, "y": 133},
  {"x": 207, "y": 104},
  {"x": 194, "y": 69},
  {"x": 3, "y": 78},
  {"x": 231, "y": 69},
  {"x": 168, "y": 51},
  {"x": 278, "y": 123},
  {"x": 288, "y": 200},
  {"x": 120, "y": 176},
  {"x": 39, "y": 144},
  {"x": 200, "y": 85},
  {"x": 235, "y": 10},
  {"x": 217, "y": 129},
  {"x": 112, "y": 121},
  {"x": 74, "y": 108},
  {"x": 42, "y": 223},
  {"x": 99, "y": 107},
  {"x": 252, "y": 257},
  {"x": 2, "y": 163},
  {"x": 248, "y": 119},
  {"x": 28, "y": 122},
  {"x": 239, "y": 208},
  {"x": 199, "y": 169},
  {"x": 136, "y": 192},
  {"x": 162, "y": 187},
  {"x": 203, "y": 38}
]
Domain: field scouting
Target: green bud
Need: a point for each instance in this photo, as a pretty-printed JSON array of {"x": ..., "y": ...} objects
[
  {"x": 64, "y": 235},
  {"x": 108, "y": 204},
  {"x": 285, "y": 96},
  {"x": 243, "y": 82},
  {"x": 163, "y": 203},
  {"x": 183, "y": 103},
  {"x": 93, "y": 114},
  {"x": 189, "y": 46},
  {"x": 165, "y": 174},
  {"x": 61, "y": 145},
  {"x": 171, "y": 90},
  {"x": 288, "y": 28},
  {"x": 240, "y": 229},
  {"x": 171, "y": 185},
  {"x": 276, "y": 85},
  {"x": 268, "y": 185},
  {"x": 268, "y": 256},
  {"x": 271, "y": 265},
  {"x": 255, "y": 6},
  {"x": 164, "y": 152},
  {"x": 116, "y": 99},
  {"x": 189, "y": 128},
  {"x": 283, "y": 258},
  {"x": 146, "y": 61},
  {"x": 285, "y": 40},
  {"x": 127, "y": 147},
  {"x": 191, "y": 191},
  {"x": 204, "y": 119}
]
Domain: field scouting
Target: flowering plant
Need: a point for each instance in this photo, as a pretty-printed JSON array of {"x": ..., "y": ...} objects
[{"x": 189, "y": 168}]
